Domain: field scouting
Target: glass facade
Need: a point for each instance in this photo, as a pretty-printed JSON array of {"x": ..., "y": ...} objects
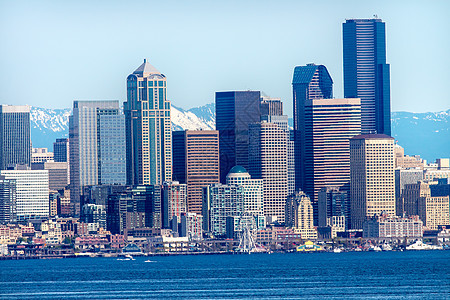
[
  {"x": 366, "y": 74},
  {"x": 15, "y": 141},
  {"x": 235, "y": 110},
  {"x": 309, "y": 82}
]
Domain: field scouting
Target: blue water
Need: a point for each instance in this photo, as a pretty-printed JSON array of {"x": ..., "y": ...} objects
[{"x": 384, "y": 275}]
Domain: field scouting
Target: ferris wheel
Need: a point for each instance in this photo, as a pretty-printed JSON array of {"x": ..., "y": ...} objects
[{"x": 247, "y": 235}]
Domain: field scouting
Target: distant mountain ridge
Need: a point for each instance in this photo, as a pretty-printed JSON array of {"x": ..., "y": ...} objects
[{"x": 425, "y": 134}]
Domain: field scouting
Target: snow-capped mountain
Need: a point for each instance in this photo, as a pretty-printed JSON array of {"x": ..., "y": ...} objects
[
  {"x": 425, "y": 134},
  {"x": 49, "y": 124},
  {"x": 203, "y": 117}
]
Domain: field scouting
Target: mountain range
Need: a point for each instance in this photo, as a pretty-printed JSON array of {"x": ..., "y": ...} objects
[{"x": 424, "y": 134}]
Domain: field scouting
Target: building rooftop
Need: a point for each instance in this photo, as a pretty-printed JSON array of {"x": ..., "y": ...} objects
[
  {"x": 237, "y": 169},
  {"x": 373, "y": 136},
  {"x": 304, "y": 74},
  {"x": 145, "y": 69}
]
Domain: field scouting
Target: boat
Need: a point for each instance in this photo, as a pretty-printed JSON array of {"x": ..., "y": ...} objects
[
  {"x": 419, "y": 245},
  {"x": 129, "y": 257},
  {"x": 148, "y": 260},
  {"x": 386, "y": 247},
  {"x": 337, "y": 250},
  {"x": 375, "y": 248}
]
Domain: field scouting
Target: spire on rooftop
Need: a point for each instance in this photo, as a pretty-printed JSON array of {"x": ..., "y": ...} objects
[{"x": 146, "y": 69}]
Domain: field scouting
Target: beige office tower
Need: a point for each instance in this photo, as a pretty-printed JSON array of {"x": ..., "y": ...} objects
[
  {"x": 372, "y": 179},
  {"x": 268, "y": 161},
  {"x": 202, "y": 165},
  {"x": 148, "y": 127}
]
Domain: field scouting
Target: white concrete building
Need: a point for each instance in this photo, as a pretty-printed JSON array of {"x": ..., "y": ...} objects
[{"x": 32, "y": 192}]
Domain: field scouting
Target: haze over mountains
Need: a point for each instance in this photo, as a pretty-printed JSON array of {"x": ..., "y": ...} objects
[{"x": 424, "y": 134}]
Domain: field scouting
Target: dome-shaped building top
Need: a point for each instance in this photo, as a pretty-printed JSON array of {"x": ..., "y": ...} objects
[{"x": 237, "y": 170}]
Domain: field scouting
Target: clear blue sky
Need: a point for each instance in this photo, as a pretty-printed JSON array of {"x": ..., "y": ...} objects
[{"x": 53, "y": 52}]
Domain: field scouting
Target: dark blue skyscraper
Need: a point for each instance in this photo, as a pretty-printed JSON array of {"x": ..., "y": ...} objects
[
  {"x": 15, "y": 142},
  {"x": 366, "y": 74},
  {"x": 234, "y": 112},
  {"x": 309, "y": 82}
]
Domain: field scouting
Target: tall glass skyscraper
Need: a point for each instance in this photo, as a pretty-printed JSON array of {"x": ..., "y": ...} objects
[
  {"x": 15, "y": 141},
  {"x": 309, "y": 82},
  {"x": 235, "y": 110},
  {"x": 366, "y": 74},
  {"x": 148, "y": 127},
  {"x": 95, "y": 157}
]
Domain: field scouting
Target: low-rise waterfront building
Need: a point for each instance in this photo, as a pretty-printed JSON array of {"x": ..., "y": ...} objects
[{"x": 386, "y": 226}]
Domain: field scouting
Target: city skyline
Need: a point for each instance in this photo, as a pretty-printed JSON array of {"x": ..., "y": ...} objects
[{"x": 193, "y": 44}]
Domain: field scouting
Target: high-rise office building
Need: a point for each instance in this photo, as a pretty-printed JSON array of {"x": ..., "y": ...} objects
[
  {"x": 89, "y": 136},
  {"x": 234, "y": 112},
  {"x": 58, "y": 178},
  {"x": 174, "y": 195},
  {"x": 61, "y": 150},
  {"x": 271, "y": 106},
  {"x": 179, "y": 156},
  {"x": 418, "y": 199},
  {"x": 366, "y": 74},
  {"x": 39, "y": 155},
  {"x": 299, "y": 215},
  {"x": 402, "y": 178},
  {"x": 329, "y": 125},
  {"x": 196, "y": 163},
  {"x": 309, "y": 82},
  {"x": 202, "y": 165},
  {"x": 15, "y": 141},
  {"x": 8, "y": 207},
  {"x": 219, "y": 202},
  {"x": 112, "y": 153},
  {"x": 148, "y": 127},
  {"x": 333, "y": 205},
  {"x": 372, "y": 179},
  {"x": 133, "y": 208},
  {"x": 268, "y": 161},
  {"x": 253, "y": 190},
  {"x": 32, "y": 194}
]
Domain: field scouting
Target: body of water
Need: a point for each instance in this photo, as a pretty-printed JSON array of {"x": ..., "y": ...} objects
[{"x": 357, "y": 275}]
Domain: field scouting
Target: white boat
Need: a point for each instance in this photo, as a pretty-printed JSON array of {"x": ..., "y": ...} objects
[
  {"x": 129, "y": 257},
  {"x": 375, "y": 248},
  {"x": 337, "y": 250},
  {"x": 386, "y": 247},
  {"x": 419, "y": 245},
  {"x": 357, "y": 249}
]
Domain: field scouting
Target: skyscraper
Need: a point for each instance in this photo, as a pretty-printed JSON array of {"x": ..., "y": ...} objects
[
  {"x": 268, "y": 161},
  {"x": 372, "y": 179},
  {"x": 329, "y": 125},
  {"x": 202, "y": 165},
  {"x": 366, "y": 74},
  {"x": 61, "y": 150},
  {"x": 15, "y": 141},
  {"x": 196, "y": 163},
  {"x": 234, "y": 112},
  {"x": 148, "y": 127},
  {"x": 309, "y": 82},
  {"x": 86, "y": 130},
  {"x": 8, "y": 206}
]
